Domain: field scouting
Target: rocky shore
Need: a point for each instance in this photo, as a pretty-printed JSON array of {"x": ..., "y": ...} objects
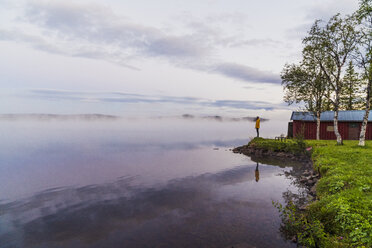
[{"x": 257, "y": 151}]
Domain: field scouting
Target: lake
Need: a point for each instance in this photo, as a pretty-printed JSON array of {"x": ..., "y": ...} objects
[{"x": 138, "y": 183}]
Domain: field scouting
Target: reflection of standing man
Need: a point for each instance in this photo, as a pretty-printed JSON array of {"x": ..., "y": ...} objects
[
  {"x": 258, "y": 126},
  {"x": 257, "y": 173}
]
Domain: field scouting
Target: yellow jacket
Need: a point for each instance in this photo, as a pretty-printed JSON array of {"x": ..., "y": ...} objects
[{"x": 258, "y": 123}]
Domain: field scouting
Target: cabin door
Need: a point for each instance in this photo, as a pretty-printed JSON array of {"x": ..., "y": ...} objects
[{"x": 353, "y": 131}]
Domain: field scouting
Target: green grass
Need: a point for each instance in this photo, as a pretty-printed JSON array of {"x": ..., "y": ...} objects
[
  {"x": 344, "y": 205},
  {"x": 291, "y": 146}
]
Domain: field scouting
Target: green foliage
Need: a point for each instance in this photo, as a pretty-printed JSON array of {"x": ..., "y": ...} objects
[
  {"x": 300, "y": 139},
  {"x": 351, "y": 96},
  {"x": 365, "y": 10},
  {"x": 305, "y": 83},
  {"x": 308, "y": 231},
  {"x": 331, "y": 45},
  {"x": 341, "y": 216}
]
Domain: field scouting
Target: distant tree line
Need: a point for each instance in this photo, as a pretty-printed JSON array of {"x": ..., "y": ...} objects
[{"x": 335, "y": 72}]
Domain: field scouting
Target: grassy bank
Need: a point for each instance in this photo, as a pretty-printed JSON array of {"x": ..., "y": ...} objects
[
  {"x": 342, "y": 214},
  {"x": 296, "y": 147},
  {"x": 344, "y": 205}
]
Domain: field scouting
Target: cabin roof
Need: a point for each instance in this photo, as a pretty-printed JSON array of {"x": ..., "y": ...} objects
[{"x": 346, "y": 115}]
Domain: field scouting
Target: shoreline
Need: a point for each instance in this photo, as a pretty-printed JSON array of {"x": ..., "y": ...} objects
[
  {"x": 339, "y": 181},
  {"x": 250, "y": 150},
  {"x": 307, "y": 176},
  {"x": 303, "y": 174}
]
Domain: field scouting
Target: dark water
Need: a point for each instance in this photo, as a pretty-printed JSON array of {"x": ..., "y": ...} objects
[{"x": 135, "y": 185}]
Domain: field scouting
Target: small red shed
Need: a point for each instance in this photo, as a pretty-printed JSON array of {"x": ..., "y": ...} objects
[{"x": 349, "y": 125}]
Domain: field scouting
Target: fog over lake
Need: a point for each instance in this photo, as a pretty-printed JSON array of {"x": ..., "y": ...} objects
[{"x": 145, "y": 182}]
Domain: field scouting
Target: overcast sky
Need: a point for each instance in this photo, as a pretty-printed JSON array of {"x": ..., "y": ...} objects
[{"x": 148, "y": 57}]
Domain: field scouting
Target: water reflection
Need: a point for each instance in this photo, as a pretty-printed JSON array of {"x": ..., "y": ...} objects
[
  {"x": 257, "y": 173},
  {"x": 208, "y": 210}
]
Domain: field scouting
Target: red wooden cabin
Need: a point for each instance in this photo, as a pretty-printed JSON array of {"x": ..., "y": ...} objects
[{"x": 349, "y": 125}]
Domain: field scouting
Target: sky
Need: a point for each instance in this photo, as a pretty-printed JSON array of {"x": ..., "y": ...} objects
[{"x": 151, "y": 58}]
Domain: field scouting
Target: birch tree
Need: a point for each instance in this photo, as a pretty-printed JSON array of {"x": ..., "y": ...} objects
[
  {"x": 364, "y": 58},
  {"x": 305, "y": 83},
  {"x": 332, "y": 46}
]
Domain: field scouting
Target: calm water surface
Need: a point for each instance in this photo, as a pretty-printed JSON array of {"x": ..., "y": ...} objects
[{"x": 136, "y": 184}]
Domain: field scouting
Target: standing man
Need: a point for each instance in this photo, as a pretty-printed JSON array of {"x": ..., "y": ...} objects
[{"x": 258, "y": 126}]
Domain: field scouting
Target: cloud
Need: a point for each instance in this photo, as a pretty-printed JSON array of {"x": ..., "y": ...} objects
[
  {"x": 325, "y": 11},
  {"x": 36, "y": 41},
  {"x": 96, "y": 32},
  {"x": 244, "y": 104},
  {"x": 122, "y": 97},
  {"x": 174, "y": 47},
  {"x": 100, "y": 26},
  {"x": 211, "y": 31},
  {"x": 246, "y": 73},
  {"x": 299, "y": 32},
  {"x": 254, "y": 42},
  {"x": 322, "y": 11},
  {"x": 46, "y": 45}
]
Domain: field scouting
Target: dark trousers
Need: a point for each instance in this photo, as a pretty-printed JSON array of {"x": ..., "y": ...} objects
[{"x": 258, "y": 132}]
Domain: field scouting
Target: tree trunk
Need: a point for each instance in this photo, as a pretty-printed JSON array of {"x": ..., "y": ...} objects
[
  {"x": 335, "y": 124},
  {"x": 317, "y": 125},
  {"x": 363, "y": 130},
  {"x": 335, "y": 120}
]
